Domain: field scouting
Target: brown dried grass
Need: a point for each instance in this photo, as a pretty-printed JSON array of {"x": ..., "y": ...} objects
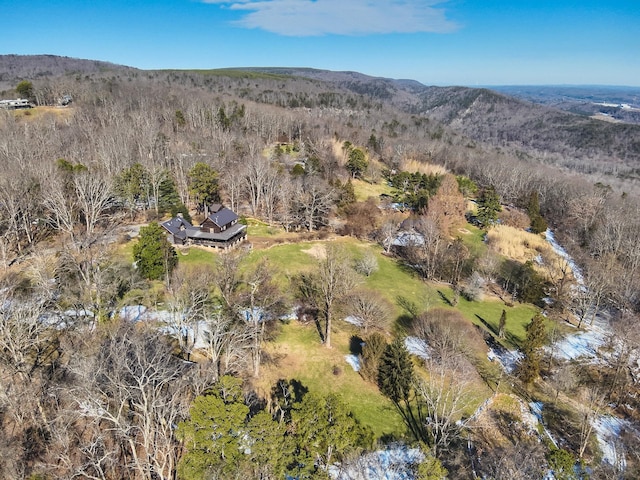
[
  {"x": 523, "y": 246},
  {"x": 411, "y": 165},
  {"x": 517, "y": 244}
]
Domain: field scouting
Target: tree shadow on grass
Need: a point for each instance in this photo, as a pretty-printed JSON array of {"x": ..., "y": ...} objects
[
  {"x": 404, "y": 324},
  {"x": 355, "y": 345},
  {"x": 445, "y": 299}
]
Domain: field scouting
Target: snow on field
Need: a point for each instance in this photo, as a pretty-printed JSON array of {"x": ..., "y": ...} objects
[
  {"x": 575, "y": 269},
  {"x": 354, "y": 361},
  {"x": 353, "y": 320},
  {"x": 418, "y": 347},
  {"x": 393, "y": 463},
  {"x": 536, "y": 410},
  {"x": 608, "y": 430},
  {"x": 583, "y": 344},
  {"x": 508, "y": 359}
]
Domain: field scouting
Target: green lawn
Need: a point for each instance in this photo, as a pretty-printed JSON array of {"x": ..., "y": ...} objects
[
  {"x": 260, "y": 229},
  {"x": 364, "y": 190},
  {"x": 488, "y": 312},
  {"x": 195, "y": 256},
  {"x": 298, "y": 353},
  {"x": 473, "y": 238}
]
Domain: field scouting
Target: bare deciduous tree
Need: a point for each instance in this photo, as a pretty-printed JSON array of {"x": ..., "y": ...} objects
[
  {"x": 134, "y": 384},
  {"x": 371, "y": 311},
  {"x": 334, "y": 280}
]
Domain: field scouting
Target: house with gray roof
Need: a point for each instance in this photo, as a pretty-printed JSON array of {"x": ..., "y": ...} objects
[{"x": 220, "y": 229}]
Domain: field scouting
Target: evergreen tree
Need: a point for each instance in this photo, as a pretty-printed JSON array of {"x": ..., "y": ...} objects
[
  {"x": 203, "y": 185},
  {"x": 562, "y": 462},
  {"x": 326, "y": 431},
  {"x": 214, "y": 432},
  {"x": 271, "y": 449},
  {"x": 488, "y": 207},
  {"x": 502, "y": 324},
  {"x": 132, "y": 184},
  {"x": 25, "y": 89},
  {"x": 430, "y": 468},
  {"x": 395, "y": 375},
  {"x": 372, "y": 351},
  {"x": 155, "y": 257},
  {"x": 395, "y": 380},
  {"x": 529, "y": 368},
  {"x": 538, "y": 224},
  {"x": 357, "y": 162}
]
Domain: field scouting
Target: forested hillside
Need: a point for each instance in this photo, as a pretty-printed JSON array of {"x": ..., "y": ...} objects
[{"x": 401, "y": 304}]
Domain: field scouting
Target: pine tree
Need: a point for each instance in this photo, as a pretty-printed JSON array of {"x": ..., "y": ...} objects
[
  {"x": 155, "y": 257},
  {"x": 488, "y": 207},
  {"x": 213, "y": 432},
  {"x": 538, "y": 224},
  {"x": 203, "y": 184},
  {"x": 529, "y": 368},
  {"x": 502, "y": 324},
  {"x": 372, "y": 351},
  {"x": 395, "y": 375}
]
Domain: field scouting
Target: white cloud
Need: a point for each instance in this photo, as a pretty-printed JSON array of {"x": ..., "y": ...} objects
[{"x": 341, "y": 17}]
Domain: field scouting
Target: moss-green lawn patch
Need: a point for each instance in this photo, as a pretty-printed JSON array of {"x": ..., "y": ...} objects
[
  {"x": 297, "y": 353},
  {"x": 364, "y": 190}
]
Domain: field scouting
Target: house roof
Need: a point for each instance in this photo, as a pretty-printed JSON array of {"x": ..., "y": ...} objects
[
  {"x": 174, "y": 226},
  {"x": 195, "y": 232},
  {"x": 223, "y": 217}
]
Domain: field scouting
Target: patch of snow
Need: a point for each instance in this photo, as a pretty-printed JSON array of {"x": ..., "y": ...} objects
[
  {"x": 408, "y": 239},
  {"x": 584, "y": 344},
  {"x": 508, "y": 359},
  {"x": 353, "y": 320},
  {"x": 132, "y": 313},
  {"x": 354, "y": 361},
  {"x": 418, "y": 347},
  {"x": 78, "y": 313},
  {"x": 536, "y": 410},
  {"x": 577, "y": 273},
  {"x": 608, "y": 430},
  {"x": 393, "y": 463}
]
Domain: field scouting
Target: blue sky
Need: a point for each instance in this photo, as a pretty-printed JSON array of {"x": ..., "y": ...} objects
[{"x": 456, "y": 42}]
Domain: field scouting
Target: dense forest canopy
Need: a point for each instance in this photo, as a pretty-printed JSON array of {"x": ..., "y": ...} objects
[{"x": 415, "y": 213}]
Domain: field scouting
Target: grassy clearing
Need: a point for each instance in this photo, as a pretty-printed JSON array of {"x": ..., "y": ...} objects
[
  {"x": 193, "y": 255},
  {"x": 487, "y": 314},
  {"x": 516, "y": 244},
  {"x": 256, "y": 228},
  {"x": 473, "y": 238},
  {"x": 297, "y": 353},
  {"x": 523, "y": 246},
  {"x": 364, "y": 190},
  {"x": 422, "y": 167},
  {"x": 36, "y": 113}
]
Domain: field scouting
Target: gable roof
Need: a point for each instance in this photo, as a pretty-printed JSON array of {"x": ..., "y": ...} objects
[
  {"x": 223, "y": 217},
  {"x": 174, "y": 226}
]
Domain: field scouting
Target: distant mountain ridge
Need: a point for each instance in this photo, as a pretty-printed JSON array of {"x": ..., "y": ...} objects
[
  {"x": 543, "y": 125},
  {"x": 31, "y": 67}
]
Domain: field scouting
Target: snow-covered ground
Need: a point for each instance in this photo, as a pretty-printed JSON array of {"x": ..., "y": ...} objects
[
  {"x": 608, "y": 430},
  {"x": 584, "y": 343},
  {"x": 536, "y": 411},
  {"x": 508, "y": 359},
  {"x": 575, "y": 269},
  {"x": 393, "y": 463},
  {"x": 418, "y": 347},
  {"x": 354, "y": 361}
]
